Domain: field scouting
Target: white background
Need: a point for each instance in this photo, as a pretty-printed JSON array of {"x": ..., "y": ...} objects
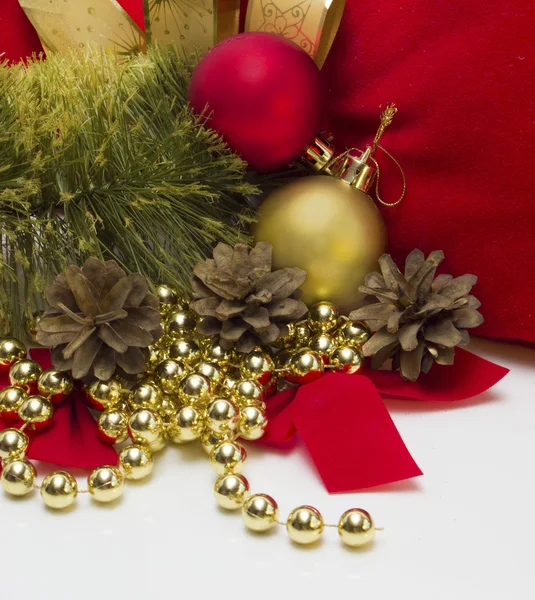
[{"x": 465, "y": 530}]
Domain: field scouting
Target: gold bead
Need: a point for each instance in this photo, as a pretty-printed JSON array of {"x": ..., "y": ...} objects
[
  {"x": 59, "y": 490},
  {"x": 11, "y": 351},
  {"x": 155, "y": 356},
  {"x": 113, "y": 426},
  {"x": 353, "y": 333},
  {"x": 228, "y": 457},
  {"x": 180, "y": 323},
  {"x": 144, "y": 395},
  {"x": 104, "y": 394},
  {"x": 18, "y": 477},
  {"x": 222, "y": 415},
  {"x": 305, "y": 366},
  {"x": 136, "y": 462},
  {"x": 212, "y": 372},
  {"x": 356, "y": 527},
  {"x": 247, "y": 392},
  {"x": 186, "y": 350},
  {"x": 168, "y": 374},
  {"x": 187, "y": 425},
  {"x": 257, "y": 365},
  {"x": 323, "y": 344},
  {"x": 252, "y": 423},
  {"x": 260, "y": 512},
  {"x": 194, "y": 388},
  {"x": 210, "y": 438},
  {"x": 12, "y": 443},
  {"x": 213, "y": 352},
  {"x": 55, "y": 385},
  {"x": 36, "y": 409},
  {"x": 25, "y": 373},
  {"x": 167, "y": 297},
  {"x": 302, "y": 334},
  {"x": 347, "y": 359},
  {"x": 11, "y": 399},
  {"x": 167, "y": 406},
  {"x": 231, "y": 491},
  {"x": 322, "y": 317},
  {"x": 232, "y": 376},
  {"x": 106, "y": 483},
  {"x": 146, "y": 427},
  {"x": 305, "y": 525}
]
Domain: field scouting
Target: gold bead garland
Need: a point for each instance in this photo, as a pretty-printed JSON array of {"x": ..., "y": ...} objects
[{"x": 193, "y": 389}]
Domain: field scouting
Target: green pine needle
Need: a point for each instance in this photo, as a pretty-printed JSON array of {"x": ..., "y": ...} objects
[{"x": 102, "y": 157}]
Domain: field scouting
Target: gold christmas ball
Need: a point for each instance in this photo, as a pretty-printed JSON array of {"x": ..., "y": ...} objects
[
  {"x": 25, "y": 373},
  {"x": 36, "y": 409},
  {"x": 222, "y": 415},
  {"x": 113, "y": 426},
  {"x": 194, "y": 388},
  {"x": 305, "y": 525},
  {"x": 105, "y": 484},
  {"x": 260, "y": 512},
  {"x": 59, "y": 490},
  {"x": 257, "y": 365},
  {"x": 287, "y": 338},
  {"x": 212, "y": 372},
  {"x": 11, "y": 351},
  {"x": 136, "y": 462},
  {"x": 144, "y": 395},
  {"x": 154, "y": 357},
  {"x": 168, "y": 374},
  {"x": 180, "y": 323},
  {"x": 347, "y": 359},
  {"x": 167, "y": 406},
  {"x": 146, "y": 427},
  {"x": 11, "y": 399},
  {"x": 186, "y": 426},
  {"x": 186, "y": 350},
  {"x": 104, "y": 394},
  {"x": 167, "y": 297},
  {"x": 214, "y": 353},
  {"x": 232, "y": 376},
  {"x": 322, "y": 317},
  {"x": 323, "y": 344},
  {"x": 12, "y": 443},
  {"x": 55, "y": 384},
  {"x": 247, "y": 392},
  {"x": 18, "y": 477},
  {"x": 210, "y": 438},
  {"x": 252, "y": 422},
  {"x": 305, "y": 366},
  {"x": 328, "y": 228},
  {"x": 231, "y": 491},
  {"x": 302, "y": 334},
  {"x": 228, "y": 457},
  {"x": 356, "y": 527},
  {"x": 353, "y": 333}
]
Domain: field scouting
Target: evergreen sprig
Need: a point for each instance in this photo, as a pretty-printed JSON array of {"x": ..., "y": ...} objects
[{"x": 102, "y": 157}]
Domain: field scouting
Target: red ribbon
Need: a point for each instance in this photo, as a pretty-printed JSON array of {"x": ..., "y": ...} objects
[
  {"x": 72, "y": 439},
  {"x": 347, "y": 428}
]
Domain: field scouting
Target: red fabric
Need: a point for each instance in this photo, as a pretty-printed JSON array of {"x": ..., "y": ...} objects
[
  {"x": 462, "y": 74},
  {"x": 342, "y": 418}
]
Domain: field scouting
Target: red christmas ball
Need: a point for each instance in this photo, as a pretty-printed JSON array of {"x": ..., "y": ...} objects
[{"x": 262, "y": 94}]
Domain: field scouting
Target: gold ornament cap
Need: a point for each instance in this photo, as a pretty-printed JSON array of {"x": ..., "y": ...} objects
[{"x": 356, "y": 171}]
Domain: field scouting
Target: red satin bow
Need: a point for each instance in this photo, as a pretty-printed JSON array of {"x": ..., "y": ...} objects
[
  {"x": 347, "y": 428},
  {"x": 72, "y": 439}
]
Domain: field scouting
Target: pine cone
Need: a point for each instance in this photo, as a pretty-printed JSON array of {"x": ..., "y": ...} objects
[
  {"x": 418, "y": 319},
  {"x": 242, "y": 299},
  {"x": 99, "y": 317}
]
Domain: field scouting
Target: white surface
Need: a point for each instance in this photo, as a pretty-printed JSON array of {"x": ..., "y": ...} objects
[{"x": 462, "y": 531}]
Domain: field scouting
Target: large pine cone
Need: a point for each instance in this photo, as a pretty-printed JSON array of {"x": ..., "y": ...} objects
[
  {"x": 418, "y": 319},
  {"x": 99, "y": 318},
  {"x": 242, "y": 299}
]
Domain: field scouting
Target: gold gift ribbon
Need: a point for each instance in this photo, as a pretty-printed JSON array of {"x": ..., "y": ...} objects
[
  {"x": 192, "y": 24},
  {"x": 311, "y": 24}
]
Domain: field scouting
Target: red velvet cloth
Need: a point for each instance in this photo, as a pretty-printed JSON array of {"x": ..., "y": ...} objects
[{"x": 462, "y": 74}]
